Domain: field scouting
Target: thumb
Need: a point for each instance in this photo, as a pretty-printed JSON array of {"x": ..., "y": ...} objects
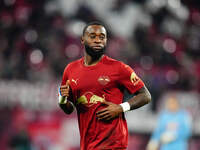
[
  {"x": 106, "y": 102},
  {"x": 67, "y": 83}
]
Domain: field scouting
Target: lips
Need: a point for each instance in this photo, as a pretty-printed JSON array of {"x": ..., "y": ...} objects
[{"x": 97, "y": 47}]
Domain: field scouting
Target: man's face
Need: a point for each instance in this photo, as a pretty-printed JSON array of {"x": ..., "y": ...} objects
[
  {"x": 172, "y": 104},
  {"x": 95, "y": 38}
]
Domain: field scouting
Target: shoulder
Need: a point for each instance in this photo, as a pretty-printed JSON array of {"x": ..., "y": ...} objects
[
  {"x": 116, "y": 65},
  {"x": 111, "y": 61},
  {"x": 164, "y": 115},
  {"x": 108, "y": 59},
  {"x": 73, "y": 64},
  {"x": 123, "y": 69},
  {"x": 184, "y": 113}
]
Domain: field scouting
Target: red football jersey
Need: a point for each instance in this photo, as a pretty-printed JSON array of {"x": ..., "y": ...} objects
[{"x": 90, "y": 85}]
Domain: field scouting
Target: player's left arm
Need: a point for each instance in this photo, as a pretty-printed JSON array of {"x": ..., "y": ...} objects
[
  {"x": 135, "y": 85},
  {"x": 141, "y": 97}
]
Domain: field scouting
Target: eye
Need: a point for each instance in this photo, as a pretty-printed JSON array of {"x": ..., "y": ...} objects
[
  {"x": 102, "y": 37},
  {"x": 92, "y": 36}
]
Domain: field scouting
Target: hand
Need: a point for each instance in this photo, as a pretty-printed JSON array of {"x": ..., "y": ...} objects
[
  {"x": 64, "y": 89},
  {"x": 110, "y": 112},
  {"x": 152, "y": 145},
  {"x": 168, "y": 137}
]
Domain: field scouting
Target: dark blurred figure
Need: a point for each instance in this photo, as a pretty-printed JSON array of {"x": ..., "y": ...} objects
[{"x": 20, "y": 141}]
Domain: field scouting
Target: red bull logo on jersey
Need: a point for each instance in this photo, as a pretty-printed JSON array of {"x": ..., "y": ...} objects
[
  {"x": 90, "y": 98},
  {"x": 103, "y": 80}
]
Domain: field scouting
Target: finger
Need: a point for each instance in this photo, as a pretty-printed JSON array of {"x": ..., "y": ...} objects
[
  {"x": 106, "y": 102},
  {"x": 102, "y": 114},
  {"x": 64, "y": 86},
  {"x": 101, "y": 111},
  {"x": 64, "y": 92},
  {"x": 105, "y": 117},
  {"x": 67, "y": 83},
  {"x": 65, "y": 95},
  {"x": 64, "y": 89},
  {"x": 108, "y": 118}
]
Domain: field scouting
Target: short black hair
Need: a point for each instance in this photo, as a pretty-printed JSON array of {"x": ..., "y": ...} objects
[{"x": 93, "y": 23}]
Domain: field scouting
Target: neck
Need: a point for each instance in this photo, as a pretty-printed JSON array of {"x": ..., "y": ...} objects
[{"x": 88, "y": 61}]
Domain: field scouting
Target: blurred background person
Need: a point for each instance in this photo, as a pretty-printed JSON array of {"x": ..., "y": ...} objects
[
  {"x": 20, "y": 141},
  {"x": 173, "y": 130}
]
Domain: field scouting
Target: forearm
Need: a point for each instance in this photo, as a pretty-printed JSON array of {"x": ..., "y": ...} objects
[
  {"x": 63, "y": 95},
  {"x": 142, "y": 98},
  {"x": 68, "y": 108},
  {"x": 113, "y": 110}
]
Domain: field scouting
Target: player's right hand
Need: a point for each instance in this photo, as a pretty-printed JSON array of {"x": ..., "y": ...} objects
[
  {"x": 64, "y": 89},
  {"x": 152, "y": 145}
]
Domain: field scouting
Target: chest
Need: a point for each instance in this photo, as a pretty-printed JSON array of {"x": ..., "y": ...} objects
[
  {"x": 93, "y": 80},
  {"x": 172, "y": 122}
]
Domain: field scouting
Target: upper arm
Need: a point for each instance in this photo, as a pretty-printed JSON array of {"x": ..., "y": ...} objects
[
  {"x": 144, "y": 91},
  {"x": 129, "y": 79}
]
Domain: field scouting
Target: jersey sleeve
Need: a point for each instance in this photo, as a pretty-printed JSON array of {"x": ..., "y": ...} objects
[
  {"x": 65, "y": 76},
  {"x": 64, "y": 80},
  {"x": 129, "y": 79}
]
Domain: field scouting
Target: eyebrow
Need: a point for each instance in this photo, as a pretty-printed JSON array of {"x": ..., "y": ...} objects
[{"x": 100, "y": 33}]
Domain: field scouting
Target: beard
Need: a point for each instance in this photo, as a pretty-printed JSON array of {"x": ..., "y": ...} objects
[{"x": 95, "y": 54}]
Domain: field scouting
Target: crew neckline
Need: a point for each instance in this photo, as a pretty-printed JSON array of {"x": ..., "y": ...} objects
[{"x": 92, "y": 66}]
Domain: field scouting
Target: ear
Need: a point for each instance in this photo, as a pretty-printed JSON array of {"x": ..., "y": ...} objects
[{"x": 82, "y": 40}]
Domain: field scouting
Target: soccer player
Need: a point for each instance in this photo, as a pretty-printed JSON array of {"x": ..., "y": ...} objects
[
  {"x": 173, "y": 129},
  {"x": 95, "y": 85}
]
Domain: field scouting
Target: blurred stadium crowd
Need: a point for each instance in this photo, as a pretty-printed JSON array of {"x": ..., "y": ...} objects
[{"x": 159, "y": 38}]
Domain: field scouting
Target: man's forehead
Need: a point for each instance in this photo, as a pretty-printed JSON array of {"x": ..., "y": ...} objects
[{"x": 96, "y": 29}]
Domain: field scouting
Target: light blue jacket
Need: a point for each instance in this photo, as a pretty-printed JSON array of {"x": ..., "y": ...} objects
[{"x": 177, "y": 124}]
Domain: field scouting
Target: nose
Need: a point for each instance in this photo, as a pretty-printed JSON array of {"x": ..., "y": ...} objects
[{"x": 97, "y": 40}]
